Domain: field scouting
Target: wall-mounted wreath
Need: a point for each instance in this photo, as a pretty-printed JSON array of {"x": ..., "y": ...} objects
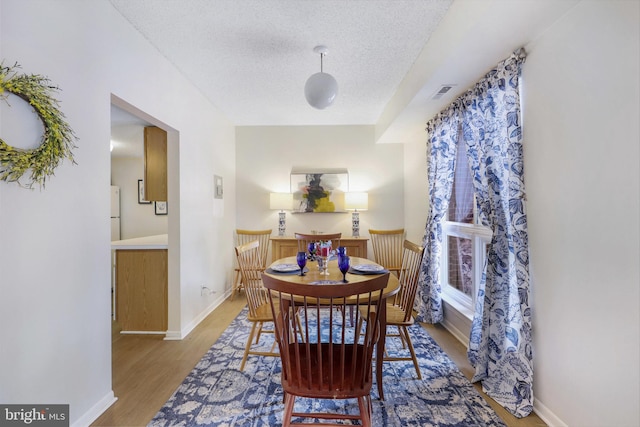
[{"x": 58, "y": 137}]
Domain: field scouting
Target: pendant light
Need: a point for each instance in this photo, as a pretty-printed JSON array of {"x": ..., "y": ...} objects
[{"x": 321, "y": 88}]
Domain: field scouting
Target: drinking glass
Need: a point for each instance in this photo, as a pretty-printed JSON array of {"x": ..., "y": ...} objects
[
  {"x": 301, "y": 257},
  {"x": 320, "y": 263},
  {"x": 323, "y": 264},
  {"x": 343, "y": 265},
  {"x": 326, "y": 266},
  {"x": 325, "y": 254},
  {"x": 312, "y": 250}
]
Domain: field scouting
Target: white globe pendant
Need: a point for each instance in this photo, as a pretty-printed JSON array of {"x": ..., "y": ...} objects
[{"x": 321, "y": 88}]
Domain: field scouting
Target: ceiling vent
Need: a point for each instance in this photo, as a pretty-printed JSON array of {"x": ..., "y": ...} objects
[{"x": 442, "y": 91}]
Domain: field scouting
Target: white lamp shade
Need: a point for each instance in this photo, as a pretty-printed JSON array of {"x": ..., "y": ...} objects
[
  {"x": 321, "y": 90},
  {"x": 281, "y": 201},
  {"x": 356, "y": 201}
]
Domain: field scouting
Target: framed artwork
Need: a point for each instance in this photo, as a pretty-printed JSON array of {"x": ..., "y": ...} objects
[
  {"x": 160, "y": 208},
  {"x": 319, "y": 190},
  {"x": 141, "y": 199}
]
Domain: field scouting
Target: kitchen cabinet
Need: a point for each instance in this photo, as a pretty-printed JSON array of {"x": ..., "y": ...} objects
[
  {"x": 284, "y": 246},
  {"x": 155, "y": 164},
  {"x": 141, "y": 284}
]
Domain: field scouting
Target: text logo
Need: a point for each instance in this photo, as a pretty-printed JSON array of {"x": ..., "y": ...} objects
[{"x": 34, "y": 415}]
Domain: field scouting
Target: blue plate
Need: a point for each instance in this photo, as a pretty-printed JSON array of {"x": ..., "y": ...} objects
[{"x": 368, "y": 268}]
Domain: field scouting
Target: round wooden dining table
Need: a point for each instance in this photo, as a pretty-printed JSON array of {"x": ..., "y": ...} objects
[{"x": 313, "y": 276}]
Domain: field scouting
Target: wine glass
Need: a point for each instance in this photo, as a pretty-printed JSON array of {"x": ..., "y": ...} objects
[
  {"x": 320, "y": 264},
  {"x": 343, "y": 265},
  {"x": 325, "y": 253},
  {"x": 312, "y": 250},
  {"x": 301, "y": 258}
]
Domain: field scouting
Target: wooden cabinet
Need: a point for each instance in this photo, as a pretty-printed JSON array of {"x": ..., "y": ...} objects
[
  {"x": 282, "y": 247},
  {"x": 155, "y": 164},
  {"x": 141, "y": 290}
]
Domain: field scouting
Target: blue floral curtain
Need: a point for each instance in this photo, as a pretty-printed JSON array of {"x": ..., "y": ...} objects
[
  {"x": 441, "y": 162},
  {"x": 500, "y": 341}
]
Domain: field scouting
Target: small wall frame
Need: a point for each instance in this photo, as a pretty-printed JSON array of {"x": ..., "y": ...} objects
[
  {"x": 161, "y": 208},
  {"x": 141, "y": 199}
]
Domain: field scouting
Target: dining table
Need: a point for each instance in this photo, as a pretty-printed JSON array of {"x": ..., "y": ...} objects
[{"x": 361, "y": 270}]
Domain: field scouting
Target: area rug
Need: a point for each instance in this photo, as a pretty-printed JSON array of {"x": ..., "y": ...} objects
[{"x": 217, "y": 393}]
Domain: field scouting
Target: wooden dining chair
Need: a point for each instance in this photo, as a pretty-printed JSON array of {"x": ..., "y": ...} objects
[
  {"x": 334, "y": 361},
  {"x": 250, "y": 264},
  {"x": 400, "y": 311},
  {"x": 387, "y": 248},
  {"x": 246, "y": 236},
  {"x": 305, "y": 239}
]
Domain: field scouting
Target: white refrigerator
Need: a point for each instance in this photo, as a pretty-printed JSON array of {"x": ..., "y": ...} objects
[{"x": 115, "y": 213}]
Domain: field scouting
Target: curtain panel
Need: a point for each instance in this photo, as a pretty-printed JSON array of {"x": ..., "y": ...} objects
[
  {"x": 500, "y": 343},
  {"x": 441, "y": 162}
]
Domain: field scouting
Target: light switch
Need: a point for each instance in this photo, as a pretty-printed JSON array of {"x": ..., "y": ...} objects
[{"x": 218, "y": 190}]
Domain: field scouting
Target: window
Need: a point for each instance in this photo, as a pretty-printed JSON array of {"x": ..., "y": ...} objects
[{"x": 465, "y": 240}]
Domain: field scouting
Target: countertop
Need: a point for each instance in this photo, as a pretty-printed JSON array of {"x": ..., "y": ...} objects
[{"x": 149, "y": 242}]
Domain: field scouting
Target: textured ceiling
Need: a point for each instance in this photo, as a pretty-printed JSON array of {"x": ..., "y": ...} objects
[{"x": 251, "y": 58}]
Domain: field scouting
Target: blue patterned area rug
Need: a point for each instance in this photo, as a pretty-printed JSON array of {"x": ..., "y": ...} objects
[{"x": 216, "y": 393}]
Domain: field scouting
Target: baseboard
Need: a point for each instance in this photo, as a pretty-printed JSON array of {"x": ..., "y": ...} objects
[
  {"x": 96, "y": 410},
  {"x": 546, "y": 415},
  {"x": 175, "y": 335}
]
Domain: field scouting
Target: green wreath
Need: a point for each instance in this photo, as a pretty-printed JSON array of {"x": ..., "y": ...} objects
[{"x": 58, "y": 137}]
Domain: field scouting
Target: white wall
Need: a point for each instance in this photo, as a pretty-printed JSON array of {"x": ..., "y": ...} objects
[
  {"x": 54, "y": 245},
  {"x": 581, "y": 133},
  {"x": 136, "y": 220},
  {"x": 266, "y": 156},
  {"x": 581, "y": 95},
  {"x": 416, "y": 192}
]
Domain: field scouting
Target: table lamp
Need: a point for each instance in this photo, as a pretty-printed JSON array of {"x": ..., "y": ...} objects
[
  {"x": 356, "y": 201},
  {"x": 281, "y": 201}
]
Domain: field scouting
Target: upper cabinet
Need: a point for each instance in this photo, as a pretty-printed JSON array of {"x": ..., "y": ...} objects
[{"x": 155, "y": 164}]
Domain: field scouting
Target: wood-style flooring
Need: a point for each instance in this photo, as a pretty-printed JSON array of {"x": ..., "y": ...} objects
[{"x": 147, "y": 369}]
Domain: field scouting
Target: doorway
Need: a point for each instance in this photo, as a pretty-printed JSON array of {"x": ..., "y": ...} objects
[{"x": 139, "y": 218}]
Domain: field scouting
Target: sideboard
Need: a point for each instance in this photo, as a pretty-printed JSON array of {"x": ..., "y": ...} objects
[{"x": 286, "y": 246}]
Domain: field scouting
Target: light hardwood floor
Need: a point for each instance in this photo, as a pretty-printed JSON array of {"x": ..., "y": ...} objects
[{"x": 147, "y": 369}]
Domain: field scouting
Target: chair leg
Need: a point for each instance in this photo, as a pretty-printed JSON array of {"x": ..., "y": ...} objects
[
  {"x": 259, "y": 334},
  {"x": 405, "y": 332},
  {"x": 359, "y": 327},
  {"x": 289, "y": 400},
  {"x": 299, "y": 322},
  {"x": 364, "y": 404},
  {"x": 237, "y": 284},
  {"x": 248, "y": 346},
  {"x": 402, "y": 339}
]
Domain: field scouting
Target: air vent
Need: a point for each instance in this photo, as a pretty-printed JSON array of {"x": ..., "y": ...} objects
[{"x": 442, "y": 91}]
